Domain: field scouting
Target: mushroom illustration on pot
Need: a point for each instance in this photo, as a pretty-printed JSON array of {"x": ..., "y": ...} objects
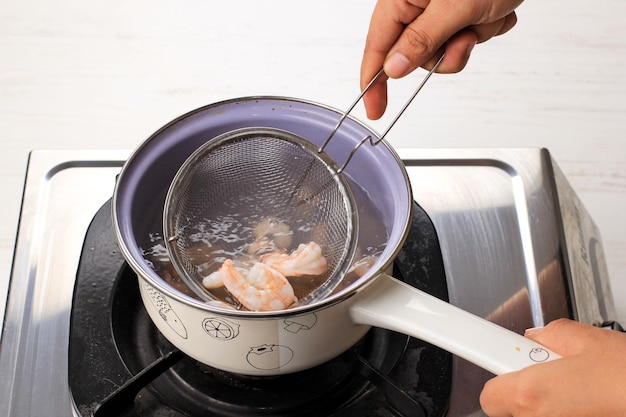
[{"x": 297, "y": 324}]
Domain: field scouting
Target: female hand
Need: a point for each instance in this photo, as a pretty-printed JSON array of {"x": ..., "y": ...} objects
[
  {"x": 408, "y": 34},
  {"x": 588, "y": 381}
]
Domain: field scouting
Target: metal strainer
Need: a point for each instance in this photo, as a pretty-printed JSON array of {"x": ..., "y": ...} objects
[
  {"x": 244, "y": 177},
  {"x": 237, "y": 181}
]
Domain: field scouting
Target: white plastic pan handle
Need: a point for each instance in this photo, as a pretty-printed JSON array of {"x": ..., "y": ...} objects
[{"x": 394, "y": 305}]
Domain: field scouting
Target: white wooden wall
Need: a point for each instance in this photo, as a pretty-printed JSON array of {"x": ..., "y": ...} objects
[{"x": 106, "y": 74}]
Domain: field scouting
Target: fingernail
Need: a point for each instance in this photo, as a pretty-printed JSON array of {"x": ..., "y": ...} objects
[
  {"x": 397, "y": 65},
  {"x": 532, "y": 331}
]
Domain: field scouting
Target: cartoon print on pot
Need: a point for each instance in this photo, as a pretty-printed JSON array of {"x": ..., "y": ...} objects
[
  {"x": 296, "y": 324},
  {"x": 166, "y": 312},
  {"x": 268, "y": 357},
  {"x": 220, "y": 328}
]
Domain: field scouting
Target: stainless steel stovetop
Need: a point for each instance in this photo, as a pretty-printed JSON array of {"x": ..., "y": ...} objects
[{"x": 518, "y": 247}]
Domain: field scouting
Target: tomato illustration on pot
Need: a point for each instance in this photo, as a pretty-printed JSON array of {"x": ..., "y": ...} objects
[{"x": 268, "y": 357}]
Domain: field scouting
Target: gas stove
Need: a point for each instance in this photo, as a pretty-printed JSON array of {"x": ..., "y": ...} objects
[{"x": 499, "y": 233}]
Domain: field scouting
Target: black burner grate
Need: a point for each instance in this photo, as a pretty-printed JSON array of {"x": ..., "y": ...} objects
[{"x": 120, "y": 365}]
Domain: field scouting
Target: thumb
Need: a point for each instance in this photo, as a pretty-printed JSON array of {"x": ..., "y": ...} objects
[
  {"x": 564, "y": 336},
  {"x": 420, "y": 41}
]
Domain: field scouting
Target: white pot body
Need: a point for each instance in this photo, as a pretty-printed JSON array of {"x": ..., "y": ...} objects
[
  {"x": 253, "y": 346},
  {"x": 288, "y": 343},
  {"x": 138, "y": 204}
]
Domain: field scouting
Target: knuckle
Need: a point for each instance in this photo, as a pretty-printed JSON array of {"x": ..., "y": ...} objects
[
  {"x": 558, "y": 324},
  {"x": 420, "y": 42}
]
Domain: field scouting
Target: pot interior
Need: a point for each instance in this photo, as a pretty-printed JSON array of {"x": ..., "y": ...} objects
[{"x": 375, "y": 174}]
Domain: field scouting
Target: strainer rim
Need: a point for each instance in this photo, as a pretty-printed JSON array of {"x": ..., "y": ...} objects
[{"x": 169, "y": 230}]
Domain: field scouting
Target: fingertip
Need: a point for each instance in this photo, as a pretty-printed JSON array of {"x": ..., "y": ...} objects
[
  {"x": 565, "y": 337},
  {"x": 375, "y": 101},
  {"x": 510, "y": 21},
  {"x": 373, "y": 111},
  {"x": 397, "y": 65},
  {"x": 458, "y": 51},
  {"x": 531, "y": 331}
]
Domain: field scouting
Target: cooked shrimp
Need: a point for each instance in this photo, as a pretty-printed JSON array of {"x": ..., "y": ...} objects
[
  {"x": 306, "y": 260},
  {"x": 213, "y": 280},
  {"x": 260, "y": 289},
  {"x": 275, "y": 230}
]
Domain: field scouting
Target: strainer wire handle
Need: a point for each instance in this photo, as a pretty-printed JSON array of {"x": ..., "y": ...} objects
[{"x": 369, "y": 138}]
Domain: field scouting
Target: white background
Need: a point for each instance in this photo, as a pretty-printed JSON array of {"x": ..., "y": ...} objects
[{"x": 106, "y": 74}]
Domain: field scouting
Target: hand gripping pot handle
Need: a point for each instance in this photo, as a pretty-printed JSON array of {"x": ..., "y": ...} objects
[{"x": 394, "y": 305}]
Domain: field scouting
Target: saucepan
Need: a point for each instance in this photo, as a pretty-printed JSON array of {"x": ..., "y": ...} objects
[{"x": 301, "y": 337}]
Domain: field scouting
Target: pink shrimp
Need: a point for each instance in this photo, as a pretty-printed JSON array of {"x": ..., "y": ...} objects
[
  {"x": 261, "y": 289},
  {"x": 306, "y": 260}
]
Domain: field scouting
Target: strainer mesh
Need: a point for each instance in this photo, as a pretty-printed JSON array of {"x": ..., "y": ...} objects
[{"x": 235, "y": 181}]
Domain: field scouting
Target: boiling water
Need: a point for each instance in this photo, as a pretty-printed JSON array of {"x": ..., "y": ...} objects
[{"x": 242, "y": 238}]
